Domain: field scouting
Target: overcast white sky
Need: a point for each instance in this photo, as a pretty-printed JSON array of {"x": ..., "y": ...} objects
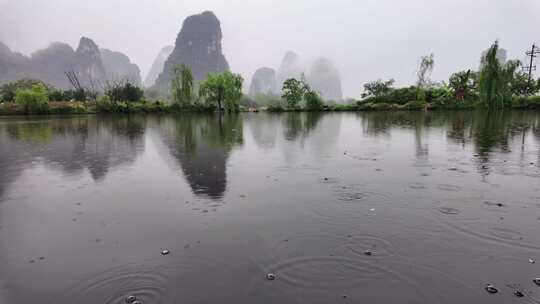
[{"x": 366, "y": 39}]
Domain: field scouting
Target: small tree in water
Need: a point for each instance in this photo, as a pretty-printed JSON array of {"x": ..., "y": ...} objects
[
  {"x": 182, "y": 85},
  {"x": 495, "y": 79},
  {"x": 223, "y": 90}
]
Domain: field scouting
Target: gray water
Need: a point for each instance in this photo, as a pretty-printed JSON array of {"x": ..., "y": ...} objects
[{"x": 445, "y": 202}]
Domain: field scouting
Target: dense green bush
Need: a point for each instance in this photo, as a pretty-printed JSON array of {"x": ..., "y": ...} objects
[
  {"x": 313, "y": 100},
  {"x": 123, "y": 91},
  {"x": 8, "y": 90},
  {"x": 33, "y": 101}
]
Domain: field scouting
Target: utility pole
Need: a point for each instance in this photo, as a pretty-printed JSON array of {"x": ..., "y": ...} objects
[{"x": 532, "y": 54}]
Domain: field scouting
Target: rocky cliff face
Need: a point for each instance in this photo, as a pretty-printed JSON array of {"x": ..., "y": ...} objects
[
  {"x": 157, "y": 66},
  {"x": 324, "y": 78},
  {"x": 264, "y": 82},
  {"x": 11, "y": 64},
  {"x": 88, "y": 64},
  {"x": 118, "y": 66},
  {"x": 198, "y": 45},
  {"x": 50, "y": 65},
  {"x": 290, "y": 67}
]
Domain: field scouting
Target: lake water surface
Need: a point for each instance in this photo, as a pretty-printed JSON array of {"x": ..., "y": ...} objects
[{"x": 444, "y": 202}]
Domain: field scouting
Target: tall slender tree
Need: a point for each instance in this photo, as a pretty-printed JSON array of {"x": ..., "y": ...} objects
[
  {"x": 495, "y": 79},
  {"x": 182, "y": 85}
]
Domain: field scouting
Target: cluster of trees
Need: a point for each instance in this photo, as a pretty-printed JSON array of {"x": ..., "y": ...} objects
[
  {"x": 496, "y": 85},
  {"x": 221, "y": 91},
  {"x": 298, "y": 93}
]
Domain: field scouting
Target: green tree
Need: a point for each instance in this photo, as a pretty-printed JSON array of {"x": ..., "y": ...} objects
[
  {"x": 123, "y": 91},
  {"x": 495, "y": 78},
  {"x": 520, "y": 86},
  {"x": 463, "y": 84},
  {"x": 182, "y": 85},
  {"x": 8, "y": 90},
  {"x": 34, "y": 100},
  {"x": 293, "y": 92},
  {"x": 377, "y": 88},
  {"x": 223, "y": 90},
  {"x": 313, "y": 100}
]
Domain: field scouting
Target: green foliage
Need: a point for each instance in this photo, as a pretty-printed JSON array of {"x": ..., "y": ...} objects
[
  {"x": 8, "y": 90},
  {"x": 313, "y": 100},
  {"x": 34, "y": 100},
  {"x": 377, "y": 88},
  {"x": 123, "y": 91},
  {"x": 222, "y": 90},
  {"x": 463, "y": 84},
  {"x": 293, "y": 92},
  {"x": 495, "y": 78},
  {"x": 520, "y": 86},
  {"x": 182, "y": 85}
]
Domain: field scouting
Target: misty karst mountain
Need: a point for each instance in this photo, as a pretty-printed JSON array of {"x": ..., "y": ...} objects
[
  {"x": 198, "y": 46},
  {"x": 88, "y": 64},
  {"x": 324, "y": 78},
  {"x": 92, "y": 65},
  {"x": 157, "y": 66},
  {"x": 118, "y": 66},
  {"x": 264, "y": 82},
  {"x": 290, "y": 67}
]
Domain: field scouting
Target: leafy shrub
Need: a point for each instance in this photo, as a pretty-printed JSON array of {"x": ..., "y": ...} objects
[
  {"x": 313, "y": 100},
  {"x": 124, "y": 91},
  {"x": 8, "y": 90},
  {"x": 33, "y": 101}
]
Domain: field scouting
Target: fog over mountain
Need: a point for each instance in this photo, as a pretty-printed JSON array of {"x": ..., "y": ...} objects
[
  {"x": 365, "y": 40},
  {"x": 157, "y": 66}
]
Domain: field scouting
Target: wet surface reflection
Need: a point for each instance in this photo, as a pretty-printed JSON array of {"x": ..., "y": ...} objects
[{"x": 271, "y": 208}]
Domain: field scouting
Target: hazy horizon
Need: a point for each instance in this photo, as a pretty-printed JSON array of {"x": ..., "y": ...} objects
[{"x": 366, "y": 41}]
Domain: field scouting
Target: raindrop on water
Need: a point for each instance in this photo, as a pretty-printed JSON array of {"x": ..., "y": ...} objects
[
  {"x": 130, "y": 299},
  {"x": 491, "y": 289},
  {"x": 270, "y": 276},
  {"x": 519, "y": 294},
  {"x": 165, "y": 252}
]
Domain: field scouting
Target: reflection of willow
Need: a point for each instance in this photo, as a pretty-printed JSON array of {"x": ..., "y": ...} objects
[
  {"x": 73, "y": 144},
  {"x": 201, "y": 144},
  {"x": 491, "y": 130},
  {"x": 300, "y": 124}
]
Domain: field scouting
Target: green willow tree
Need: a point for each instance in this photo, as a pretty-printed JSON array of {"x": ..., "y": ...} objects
[
  {"x": 223, "y": 90},
  {"x": 495, "y": 78},
  {"x": 182, "y": 85}
]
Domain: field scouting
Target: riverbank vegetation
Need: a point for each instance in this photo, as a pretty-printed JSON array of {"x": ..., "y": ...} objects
[{"x": 496, "y": 85}]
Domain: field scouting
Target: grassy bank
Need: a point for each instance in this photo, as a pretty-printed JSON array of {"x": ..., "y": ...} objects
[{"x": 77, "y": 107}]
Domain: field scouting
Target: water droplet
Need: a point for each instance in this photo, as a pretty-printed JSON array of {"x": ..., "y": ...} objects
[
  {"x": 270, "y": 276},
  {"x": 532, "y": 261},
  {"x": 536, "y": 281},
  {"x": 130, "y": 299},
  {"x": 368, "y": 252},
  {"x": 165, "y": 252},
  {"x": 344, "y": 296},
  {"x": 491, "y": 289},
  {"x": 519, "y": 294},
  {"x": 372, "y": 209},
  {"x": 42, "y": 258},
  {"x": 137, "y": 302}
]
